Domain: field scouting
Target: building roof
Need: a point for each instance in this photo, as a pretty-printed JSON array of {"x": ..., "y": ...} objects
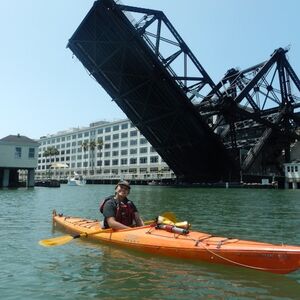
[{"x": 18, "y": 139}]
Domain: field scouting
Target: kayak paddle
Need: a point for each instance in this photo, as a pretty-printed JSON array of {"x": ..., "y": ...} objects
[{"x": 61, "y": 240}]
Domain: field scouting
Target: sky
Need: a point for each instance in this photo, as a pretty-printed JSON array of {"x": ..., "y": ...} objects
[{"x": 45, "y": 89}]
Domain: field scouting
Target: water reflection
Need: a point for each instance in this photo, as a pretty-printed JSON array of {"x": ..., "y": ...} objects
[
  {"x": 84, "y": 270},
  {"x": 136, "y": 275}
]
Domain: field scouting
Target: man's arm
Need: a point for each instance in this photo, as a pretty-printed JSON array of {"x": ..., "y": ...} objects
[
  {"x": 138, "y": 219},
  {"x": 112, "y": 223}
]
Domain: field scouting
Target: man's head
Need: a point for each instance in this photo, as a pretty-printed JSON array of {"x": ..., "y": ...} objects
[{"x": 123, "y": 186}]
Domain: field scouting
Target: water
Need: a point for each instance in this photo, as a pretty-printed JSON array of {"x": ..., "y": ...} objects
[{"x": 84, "y": 270}]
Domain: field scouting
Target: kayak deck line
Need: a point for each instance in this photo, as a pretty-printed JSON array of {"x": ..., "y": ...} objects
[{"x": 195, "y": 246}]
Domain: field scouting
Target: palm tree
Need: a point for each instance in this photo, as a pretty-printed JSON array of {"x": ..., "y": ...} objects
[
  {"x": 92, "y": 146},
  {"x": 100, "y": 147},
  {"x": 85, "y": 147},
  {"x": 53, "y": 152},
  {"x": 46, "y": 154},
  {"x": 49, "y": 152}
]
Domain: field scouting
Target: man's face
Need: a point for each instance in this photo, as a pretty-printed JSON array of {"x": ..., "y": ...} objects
[{"x": 122, "y": 191}]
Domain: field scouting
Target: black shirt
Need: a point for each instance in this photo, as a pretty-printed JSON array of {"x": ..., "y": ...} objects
[{"x": 110, "y": 208}]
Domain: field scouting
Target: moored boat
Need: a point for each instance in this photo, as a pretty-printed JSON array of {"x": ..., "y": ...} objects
[
  {"x": 76, "y": 180},
  {"x": 192, "y": 245}
]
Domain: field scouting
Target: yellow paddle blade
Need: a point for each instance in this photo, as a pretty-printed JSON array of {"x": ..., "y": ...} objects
[
  {"x": 149, "y": 222},
  {"x": 183, "y": 224},
  {"x": 164, "y": 220},
  {"x": 169, "y": 215},
  {"x": 61, "y": 240}
]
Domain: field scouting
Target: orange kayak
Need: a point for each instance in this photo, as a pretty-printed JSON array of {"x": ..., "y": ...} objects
[{"x": 194, "y": 245}]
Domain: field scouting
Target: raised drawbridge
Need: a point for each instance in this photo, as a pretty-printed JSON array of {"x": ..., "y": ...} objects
[{"x": 205, "y": 132}]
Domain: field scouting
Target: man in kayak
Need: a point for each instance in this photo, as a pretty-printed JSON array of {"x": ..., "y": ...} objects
[{"x": 118, "y": 211}]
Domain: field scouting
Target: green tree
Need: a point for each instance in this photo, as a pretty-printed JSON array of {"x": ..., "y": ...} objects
[
  {"x": 92, "y": 146},
  {"x": 48, "y": 153},
  {"x": 85, "y": 147},
  {"x": 100, "y": 147}
]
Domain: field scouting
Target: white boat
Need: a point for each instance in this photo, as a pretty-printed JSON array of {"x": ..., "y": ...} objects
[{"x": 76, "y": 180}]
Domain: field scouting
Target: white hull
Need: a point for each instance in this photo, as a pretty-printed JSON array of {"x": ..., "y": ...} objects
[{"x": 76, "y": 182}]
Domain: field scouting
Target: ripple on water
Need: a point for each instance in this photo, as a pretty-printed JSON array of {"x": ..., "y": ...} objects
[{"x": 82, "y": 270}]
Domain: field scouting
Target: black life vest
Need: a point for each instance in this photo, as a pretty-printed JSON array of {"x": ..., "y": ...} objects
[{"x": 124, "y": 212}]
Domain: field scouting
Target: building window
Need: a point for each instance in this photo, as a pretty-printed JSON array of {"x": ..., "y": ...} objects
[
  {"x": 133, "y": 142},
  {"x": 124, "y": 161},
  {"x": 296, "y": 168},
  {"x": 18, "y": 153},
  {"x": 143, "y": 141},
  {"x": 133, "y": 161},
  {"x": 107, "y": 163},
  {"x": 133, "y": 133},
  {"x": 124, "y": 126},
  {"x": 124, "y": 135},
  {"x": 143, "y": 160},
  {"x": 31, "y": 153},
  {"x": 115, "y": 144},
  {"x": 107, "y": 129},
  {"x": 115, "y": 153},
  {"x": 133, "y": 151},
  {"x": 100, "y": 131},
  {"x": 107, "y": 138},
  {"x": 154, "y": 159},
  {"x": 124, "y": 143},
  {"x": 115, "y": 127},
  {"x": 143, "y": 150},
  {"x": 124, "y": 152},
  {"x": 115, "y": 136},
  {"x": 115, "y": 162}
]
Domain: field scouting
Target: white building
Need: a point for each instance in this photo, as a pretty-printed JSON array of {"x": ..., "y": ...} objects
[
  {"x": 17, "y": 153},
  {"x": 292, "y": 174},
  {"x": 125, "y": 153}
]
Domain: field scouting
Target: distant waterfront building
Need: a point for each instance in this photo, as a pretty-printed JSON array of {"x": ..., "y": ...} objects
[
  {"x": 292, "y": 169},
  {"x": 292, "y": 174},
  {"x": 102, "y": 151},
  {"x": 18, "y": 155}
]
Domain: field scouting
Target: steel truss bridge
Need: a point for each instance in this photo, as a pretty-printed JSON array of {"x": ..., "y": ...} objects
[{"x": 205, "y": 132}]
